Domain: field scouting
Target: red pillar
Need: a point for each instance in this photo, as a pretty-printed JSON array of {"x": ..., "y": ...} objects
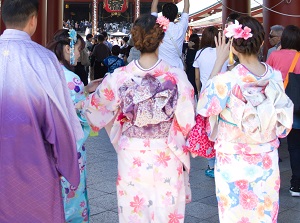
[
  {"x": 2, "y": 26},
  {"x": 54, "y": 17},
  {"x": 229, "y": 6},
  {"x": 271, "y": 18},
  {"x": 41, "y": 30}
]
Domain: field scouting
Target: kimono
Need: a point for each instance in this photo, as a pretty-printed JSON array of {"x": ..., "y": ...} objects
[
  {"x": 247, "y": 114},
  {"x": 38, "y": 132},
  {"x": 150, "y": 112},
  {"x": 75, "y": 198}
]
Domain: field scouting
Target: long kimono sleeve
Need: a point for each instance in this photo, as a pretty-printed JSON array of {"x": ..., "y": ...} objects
[
  {"x": 102, "y": 105},
  {"x": 184, "y": 120},
  {"x": 63, "y": 144},
  {"x": 215, "y": 96},
  {"x": 76, "y": 91}
]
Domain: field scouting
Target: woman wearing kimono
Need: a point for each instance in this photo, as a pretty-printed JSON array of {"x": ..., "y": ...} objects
[
  {"x": 66, "y": 45},
  {"x": 149, "y": 107},
  {"x": 248, "y": 110}
]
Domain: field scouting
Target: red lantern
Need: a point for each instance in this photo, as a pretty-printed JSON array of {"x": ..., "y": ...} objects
[{"x": 114, "y": 6}]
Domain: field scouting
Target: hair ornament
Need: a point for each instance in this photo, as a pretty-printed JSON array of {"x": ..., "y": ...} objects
[
  {"x": 163, "y": 22},
  {"x": 236, "y": 31},
  {"x": 73, "y": 38}
]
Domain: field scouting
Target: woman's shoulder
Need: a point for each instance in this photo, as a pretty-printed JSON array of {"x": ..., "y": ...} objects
[{"x": 69, "y": 74}]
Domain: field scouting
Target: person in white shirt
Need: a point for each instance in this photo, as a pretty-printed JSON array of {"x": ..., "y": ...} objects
[
  {"x": 205, "y": 58},
  {"x": 204, "y": 62},
  {"x": 170, "y": 49}
]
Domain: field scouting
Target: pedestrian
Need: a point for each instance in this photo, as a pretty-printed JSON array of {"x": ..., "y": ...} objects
[
  {"x": 39, "y": 127},
  {"x": 248, "y": 111},
  {"x": 150, "y": 107},
  {"x": 113, "y": 62},
  {"x": 192, "y": 48},
  {"x": 203, "y": 64},
  {"x": 282, "y": 61},
  {"x": 67, "y": 44},
  {"x": 100, "y": 52},
  {"x": 170, "y": 49},
  {"x": 274, "y": 38}
]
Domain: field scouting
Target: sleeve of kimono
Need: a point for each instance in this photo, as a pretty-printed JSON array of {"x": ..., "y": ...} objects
[
  {"x": 184, "y": 119},
  {"x": 76, "y": 89},
  {"x": 58, "y": 133},
  {"x": 215, "y": 96},
  {"x": 102, "y": 105},
  {"x": 284, "y": 110}
]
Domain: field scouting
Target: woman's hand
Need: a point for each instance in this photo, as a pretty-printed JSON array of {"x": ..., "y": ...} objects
[
  {"x": 222, "y": 48},
  {"x": 92, "y": 86}
]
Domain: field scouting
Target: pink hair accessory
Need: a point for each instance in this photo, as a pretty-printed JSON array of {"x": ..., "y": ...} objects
[
  {"x": 163, "y": 22},
  {"x": 236, "y": 31}
]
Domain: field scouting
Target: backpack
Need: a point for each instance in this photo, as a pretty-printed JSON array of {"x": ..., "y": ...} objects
[
  {"x": 292, "y": 85},
  {"x": 293, "y": 91}
]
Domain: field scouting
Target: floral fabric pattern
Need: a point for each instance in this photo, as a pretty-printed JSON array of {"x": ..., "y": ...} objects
[
  {"x": 137, "y": 105},
  {"x": 75, "y": 199},
  {"x": 247, "y": 114}
]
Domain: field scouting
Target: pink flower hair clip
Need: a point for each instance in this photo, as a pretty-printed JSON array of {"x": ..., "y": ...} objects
[
  {"x": 236, "y": 31},
  {"x": 163, "y": 22}
]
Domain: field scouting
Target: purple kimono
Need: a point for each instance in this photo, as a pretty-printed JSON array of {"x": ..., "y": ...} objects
[{"x": 38, "y": 132}]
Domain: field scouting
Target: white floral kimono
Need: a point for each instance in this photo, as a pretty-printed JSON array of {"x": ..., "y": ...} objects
[
  {"x": 247, "y": 114},
  {"x": 151, "y": 112}
]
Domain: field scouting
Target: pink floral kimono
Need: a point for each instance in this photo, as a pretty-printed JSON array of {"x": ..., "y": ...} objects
[
  {"x": 151, "y": 112},
  {"x": 247, "y": 114}
]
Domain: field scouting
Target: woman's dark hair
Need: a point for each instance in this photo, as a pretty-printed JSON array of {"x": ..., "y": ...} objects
[
  {"x": 195, "y": 39},
  {"x": 15, "y": 13},
  {"x": 232, "y": 17},
  {"x": 208, "y": 37},
  {"x": 170, "y": 11},
  {"x": 290, "y": 38},
  {"x": 146, "y": 33},
  {"x": 251, "y": 45},
  {"x": 56, "y": 45}
]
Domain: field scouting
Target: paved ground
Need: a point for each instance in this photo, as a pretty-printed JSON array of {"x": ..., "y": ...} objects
[{"x": 102, "y": 174}]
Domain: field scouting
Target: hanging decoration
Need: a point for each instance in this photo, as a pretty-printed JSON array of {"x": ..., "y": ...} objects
[
  {"x": 115, "y": 6},
  {"x": 137, "y": 9},
  {"x": 95, "y": 25}
]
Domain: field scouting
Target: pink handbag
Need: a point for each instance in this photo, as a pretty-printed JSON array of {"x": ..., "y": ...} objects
[{"x": 198, "y": 142}]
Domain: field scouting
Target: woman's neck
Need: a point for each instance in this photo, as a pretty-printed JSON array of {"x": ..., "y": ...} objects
[
  {"x": 253, "y": 64},
  {"x": 148, "y": 60}
]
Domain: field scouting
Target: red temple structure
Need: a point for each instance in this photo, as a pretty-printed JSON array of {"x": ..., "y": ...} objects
[{"x": 53, "y": 12}]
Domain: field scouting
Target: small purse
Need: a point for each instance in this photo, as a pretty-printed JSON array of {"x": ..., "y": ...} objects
[{"x": 198, "y": 142}]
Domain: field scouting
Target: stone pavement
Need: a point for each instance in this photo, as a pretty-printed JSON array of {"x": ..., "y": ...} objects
[{"x": 102, "y": 174}]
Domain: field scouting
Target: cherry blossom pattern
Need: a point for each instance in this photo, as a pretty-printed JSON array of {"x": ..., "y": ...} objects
[
  {"x": 162, "y": 159},
  {"x": 137, "y": 204},
  {"x": 248, "y": 200},
  {"x": 175, "y": 217}
]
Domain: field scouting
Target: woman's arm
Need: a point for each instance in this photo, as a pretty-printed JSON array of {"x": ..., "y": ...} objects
[
  {"x": 186, "y": 6},
  {"x": 222, "y": 49},
  {"x": 197, "y": 80},
  {"x": 154, "y": 6}
]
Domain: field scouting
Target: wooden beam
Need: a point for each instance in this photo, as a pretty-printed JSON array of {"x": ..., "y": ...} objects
[{"x": 90, "y": 1}]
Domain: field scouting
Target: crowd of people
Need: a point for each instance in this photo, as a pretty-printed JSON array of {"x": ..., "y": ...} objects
[{"x": 150, "y": 98}]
